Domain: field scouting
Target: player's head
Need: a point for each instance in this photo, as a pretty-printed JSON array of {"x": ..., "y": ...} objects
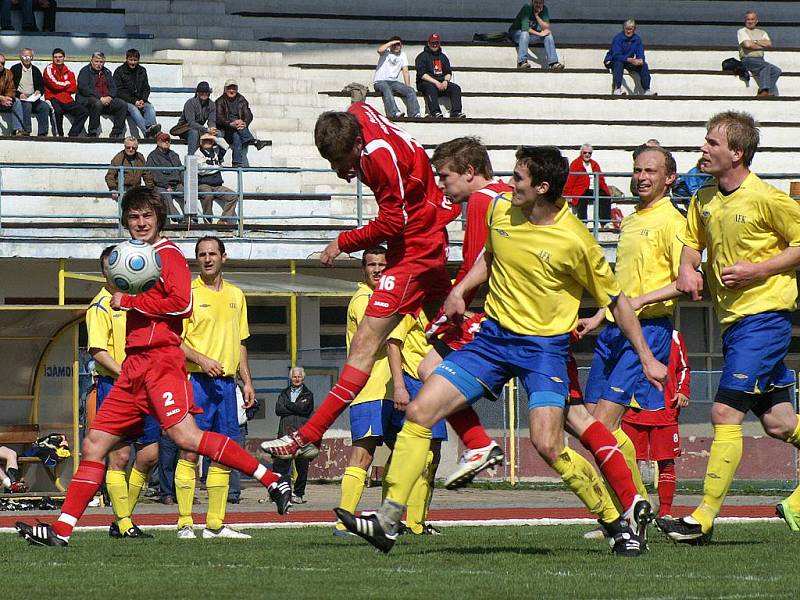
[
  {"x": 297, "y": 375},
  {"x": 104, "y": 260},
  {"x": 462, "y": 167},
  {"x": 338, "y": 138},
  {"x": 210, "y": 254},
  {"x": 143, "y": 214},
  {"x": 540, "y": 173},
  {"x": 731, "y": 141},
  {"x": 373, "y": 263},
  {"x": 654, "y": 171}
]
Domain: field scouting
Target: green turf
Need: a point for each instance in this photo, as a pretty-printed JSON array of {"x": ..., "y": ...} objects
[{"x": 745, "y": 561}]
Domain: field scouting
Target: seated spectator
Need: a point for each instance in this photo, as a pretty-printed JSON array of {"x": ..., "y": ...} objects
[
  {"x": 133, "y": 88},
  {"x": 688, "y": 184},
  {"x": 392, "y": 64},
  {"x": 59, "y": 87},
  {"x": 10, "y": 477},
  {"x": 579, "y": 188},
  {"x": 28, "y": 20},
  {"x": 434, "y": 77},
  {"x": 752, "y": 43},
  {"x": 128, "y": 157},
  {"x": 199, "y": 116},
  {"x": 209, "y": 179},
  {"x": 234, "y": 118},
  {"x": 627, "y": 52},
  {"x": 167, "y": 181},
  {"x": 97, "y": 91},
  {"x": 8, "y": 98},
  {"x": 532, "y": 26},
  {"x": 30, "y": 90}
]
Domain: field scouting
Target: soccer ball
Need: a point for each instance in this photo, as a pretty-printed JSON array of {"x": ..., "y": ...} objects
[{"x": 133, "y": 267}]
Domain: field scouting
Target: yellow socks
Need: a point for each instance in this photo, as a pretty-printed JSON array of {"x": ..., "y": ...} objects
[
  {"x": 136, "y": 481},
  {"x": 580, "y": 477},
  {"x": 185, "y": 479},
  {"x": 117, "y": 488},
  {"x": 794, "y": 439},
  {"x": 417, "y": 509},
  {"x": 726, "y": 452},
  {"x": 629, "y": 452},
  {"x": 354, "y": 481},
  {"x": 408, "y": 461},
  {"x": 217, "y": 484}
]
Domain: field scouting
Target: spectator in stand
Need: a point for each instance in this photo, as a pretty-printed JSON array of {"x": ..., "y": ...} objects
[
  {"x": 687, "y": 185},
  {"x": 294, "y": 406},
  {"x": 209, "y": 179},
  {"x": 133, "y": 88},
  {"x": 752, "y": 43},
  {"x": 28, "y": 19},
  {"x": 59, "y": 87},
  {"x": 199, "y": 117},
  {"x": 532, "y": 26},
  {"x": 579, "y": 188},
  {"x": 97, "y": 91},
  {"x": 434, "y": 77},
  {"x": 234, "y": 118},
  {"x": 129, "y": 156},
  {"x": 30, "y": 90},
  {"x": 167, "y": 182},
  {"x": 8, "y": 98},
  {"x": 627, "y": 52},
  {"x": 10, "y": 478},
  {"x": 392, "y": 64}
]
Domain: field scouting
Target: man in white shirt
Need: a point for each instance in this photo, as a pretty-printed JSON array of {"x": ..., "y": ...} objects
[
  {"x": 391, "y": 65},
  {"x": 752, "y": 43}
]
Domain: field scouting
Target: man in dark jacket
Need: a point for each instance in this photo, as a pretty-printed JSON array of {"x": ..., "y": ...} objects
[
  {"x": 199, "y": 116},
  {"x": 294, "y": 406},
  {"x": 233, "y": 119},
  {"x": 434, "y": 79},
  {"x": 134, "y": 89},
  {"x": 30, "y": 90},
  {"x": 97, "y": 91},
  {"x": 627, "y": 52},
  {"x": 168, "y": 183},
  {"x": 129, "y": 156}
]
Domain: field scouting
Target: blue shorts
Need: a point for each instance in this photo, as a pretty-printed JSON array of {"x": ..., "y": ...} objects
[
  {"x": 152, "y": 429},
  {"x": 370, "y": 419},
  {"x": 617, "y": 374},
  {"x": 413, "y": 385},
  {"x": 753, "y": 349},
  {"x": 217, "y": 397},
  {"x": 496, "y": 355}
]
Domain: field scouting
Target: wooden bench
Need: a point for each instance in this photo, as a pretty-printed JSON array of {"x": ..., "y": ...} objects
[{"x": 25, "y": 435}]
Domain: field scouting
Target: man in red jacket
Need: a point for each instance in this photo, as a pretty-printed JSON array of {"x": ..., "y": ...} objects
[
  {"x": 153, "y": 381},
  {"x": 60, "y": 86},
  {"x": 579, "y": 189}
]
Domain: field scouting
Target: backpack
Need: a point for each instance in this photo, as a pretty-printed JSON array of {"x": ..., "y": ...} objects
[{"x": 735, "y": 66}]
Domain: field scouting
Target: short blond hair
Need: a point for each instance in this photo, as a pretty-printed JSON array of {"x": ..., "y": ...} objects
[{"x": 741, "y": 132}]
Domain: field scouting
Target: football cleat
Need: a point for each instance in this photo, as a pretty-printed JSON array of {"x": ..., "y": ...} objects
[
  {"x": 18, "y": 487},
  {"x": 113, "y": 531},
  {"x": 341, "y": 532},
  {"x": 280, "y": 493},
  {"x": 291, "y": 445},
  {"x": 40, "y": 534},
  {"x": 368, "y": 527},
  {"x": 595, "y": 534},
  {"x": 224, "y": 532},
  {"x": 639, "y": 516},
  {"x": 135, "y": 532},
  {"x": 473, "y": 462},
  {"x": 683, "y": 531},
  {"x": 428, "y": 529},
  {"x": 186, "y": 533},
  {"x": 622, "y": 539},
  {"x": 787, "y": 514}
]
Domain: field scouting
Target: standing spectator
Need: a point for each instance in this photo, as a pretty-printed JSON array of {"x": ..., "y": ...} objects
[
  {"x": 434, "y": 79},
  {"x": 133, "y": 88},
  {"x": 199, "y": 116},
  {"x": 393, "y": 63},
  {"x": 532, "y": 26},
  {"x": 294, "y": 406},
  {"x": 128, "y": 157},
  {"x": 209, "y": 179},
  {"x": 59, "y": 87},
  {"x": 752, "y": 43},
  {"x": 8, "y": 98},
  {"x": 578, "y": 188},
  {"x": 30, "y": 90},
  {"x": 28, "y": 20},
  {"x": 167, "y": 182},
  {"x": 234, "y": 118},
  {"x": 97, "y": 91},
  {"x": 627, "y": 52}
]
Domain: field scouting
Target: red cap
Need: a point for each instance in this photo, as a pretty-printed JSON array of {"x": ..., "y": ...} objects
[{"x": 434, "y": 38}]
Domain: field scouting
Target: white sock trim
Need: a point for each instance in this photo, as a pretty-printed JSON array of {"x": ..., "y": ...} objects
[{"x": 68, "y": 519}]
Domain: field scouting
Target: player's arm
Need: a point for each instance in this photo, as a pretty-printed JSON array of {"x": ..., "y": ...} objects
[
  {"x": 248, "y": 391},
  {"x": 626, "y": 319},
  {"x": 177, "y": 299},
  {"x": 690, "y": 281},
  {"x": 210, "y": 367},
  {"x": 454, "y": 304},
  {"x": 679, "y": 369},
  {"x": 744, "y": 273},
  {"x": 394, "y": 352},
  {"x": 668, "y": 292},
  {"x": 589, "y": 324},
  {"x": 103, "y": 357}
]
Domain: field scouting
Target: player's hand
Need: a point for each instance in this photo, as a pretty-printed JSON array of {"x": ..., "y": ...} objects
[
  {"x": 330, "y": 253},
  {"x": 401, "y": 399},
  {"x": 454, "y": 306},
  {"x": 249, "y": 395},
  {"x": 656, "y": 373},
  {"x": 636, "y": 303},
  {"x": 116, "y": 299},
  {"x": 740, "y": 275},
  {"x": 211, "y": 367},
  {"x": 586, "y": 326},
  {"x": 680, "y": 401},
  {"x": 690, "y": 282}
]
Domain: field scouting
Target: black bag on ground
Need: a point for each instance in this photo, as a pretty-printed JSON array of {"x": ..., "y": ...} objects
[{"x": 735, "y": 66}]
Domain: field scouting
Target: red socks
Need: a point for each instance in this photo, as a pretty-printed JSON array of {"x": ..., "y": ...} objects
[
  {"x": 666, "y": 486},
  {"x": 84, "y": 485},
  {"x": 603, "y": 445},
  {"x": 225, "y": 451},
  {"x": 468, "y": 427},
  {"x": 350, "y": 383}
]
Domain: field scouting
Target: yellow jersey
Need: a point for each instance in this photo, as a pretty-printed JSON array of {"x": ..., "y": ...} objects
[
  {"x": 649, "y": 254},
  {"x": 411, "y": 332},
  {"x": 106, "y": 329},
  {"x": 539, "y": 272},
  {"x": 217, "y": 326},
  {"x": 379, "y": 386},
  {"x": 754, "y": 223}
]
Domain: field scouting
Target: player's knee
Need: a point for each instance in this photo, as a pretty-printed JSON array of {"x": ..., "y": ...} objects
[
  {"x": 549, "y": 450},
  {"x": 360, "y": 457},
  {"x": 779, "y": 430},
  {"x": 418, "y": 413}
]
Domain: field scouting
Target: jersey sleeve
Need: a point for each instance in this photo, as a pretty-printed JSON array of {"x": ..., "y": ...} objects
[
  {"x": 98, "y": 326},
  {"x": 176, "y": 298},
  {"x": 355, "y": 312},
  {"x": 673, "y": 243},
  {"x": 679, "y": 365},
  {"x": 592, "y": 271},
  {"x": 783, "y": 215},
  {"x": 403, "y": 327},
  {"x": 244, "y": 326},
  {"x": 693, "y": 235},
  {"x": 475, "y": 233}
]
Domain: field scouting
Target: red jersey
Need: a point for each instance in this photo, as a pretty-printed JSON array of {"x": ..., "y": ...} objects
[
  {"x": 412, "y": 212},
  {"x": 155, "y": 318},
  {"x": 678, "y": 380},
  {"x": 59, "y": 83}
]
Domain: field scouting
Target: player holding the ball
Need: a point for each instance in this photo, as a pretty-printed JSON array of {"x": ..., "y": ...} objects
[{"x": 153, "y": 381}]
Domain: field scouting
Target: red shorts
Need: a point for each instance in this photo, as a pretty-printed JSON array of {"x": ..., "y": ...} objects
[
  {"x": 654, "y": 442},
  {"x": 403, "y": 292},
  {"x": 155, "y": 383}
]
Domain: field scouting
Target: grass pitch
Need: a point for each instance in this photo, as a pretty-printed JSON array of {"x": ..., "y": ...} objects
[{"x": 745, "y": 561}]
